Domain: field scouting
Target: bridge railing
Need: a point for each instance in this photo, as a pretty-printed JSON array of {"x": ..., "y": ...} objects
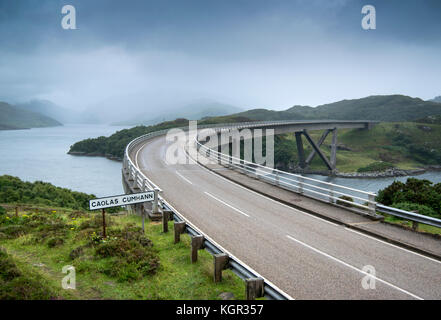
[{"x": 321, "y": 190}]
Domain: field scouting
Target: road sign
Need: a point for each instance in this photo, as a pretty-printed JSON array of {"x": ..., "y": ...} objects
[{"x": 121, "y": 200}]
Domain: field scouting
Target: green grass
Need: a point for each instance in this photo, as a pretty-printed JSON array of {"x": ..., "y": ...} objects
[
  {"x": 176, "y": 277},
  {"x": 408, "y": 224}
]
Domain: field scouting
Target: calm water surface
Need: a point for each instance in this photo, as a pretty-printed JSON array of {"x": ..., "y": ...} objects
[{"x": 41, "y": 154}]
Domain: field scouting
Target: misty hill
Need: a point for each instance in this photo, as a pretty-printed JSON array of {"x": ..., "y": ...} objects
[
  {"x": 193, "y": 111},
  {"x": 12, "y": 117},
  {"x": 50, "y": 109},
  {"x": 436, "y": 99},
  {"x": 381, "y": 108}
]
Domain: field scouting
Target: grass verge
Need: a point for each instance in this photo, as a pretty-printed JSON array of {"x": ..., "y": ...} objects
[{"x": 149, "y": 266}]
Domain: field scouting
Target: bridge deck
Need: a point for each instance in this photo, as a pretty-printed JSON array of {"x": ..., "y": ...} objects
[
  {"x": 307, "y": 257},
  {"x": 419, "y": 241}
]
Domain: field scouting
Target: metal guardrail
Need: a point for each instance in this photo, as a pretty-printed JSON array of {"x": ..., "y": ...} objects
[
  {"x": 324, "y": 191},
  {"x": 145, "y": 184},
  {"x": 409, "y": 215}
]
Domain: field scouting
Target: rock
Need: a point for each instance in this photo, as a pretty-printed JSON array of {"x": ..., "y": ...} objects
[
  {"x": 425, "y": 128},
  {"x": 226, "y": 296},
  {"x": 341, "y": 146},
  {"x": 40, "y": 265}
]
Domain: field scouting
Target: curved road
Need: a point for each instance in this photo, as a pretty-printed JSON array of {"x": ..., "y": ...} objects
[{"x": 307, "y": 257}]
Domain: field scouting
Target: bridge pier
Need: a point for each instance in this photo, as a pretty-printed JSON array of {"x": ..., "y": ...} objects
[
  {"x": 334, "y": 149},
  {"x": 304, "y": 163},
  {"x": 300, "y": 149}
]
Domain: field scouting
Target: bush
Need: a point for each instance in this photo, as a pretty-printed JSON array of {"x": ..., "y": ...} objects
[
  {"x": 132, "y": 232},
  {"x": 416, "y": 191},
  {"x": 96, "y": 222},
  {"x": 376, "y": 166},
  {"x": 75, "y": 253},
  {"x": 8, "y": 269},
  {"x": 129, "y": 259},
  {"x": 15, "y": 285},
  {"x": 13, "y": 231},
  {"x": 342, "y": 203},
  {"x": 13, "y": 190},
  {"x": 418, "y": 208},
  {"x": 55, "y": 242},
  {"x": 2, "y": 211}
]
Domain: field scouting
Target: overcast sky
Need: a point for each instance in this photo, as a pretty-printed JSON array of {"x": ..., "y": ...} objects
[{"x": 250, "y": 53}]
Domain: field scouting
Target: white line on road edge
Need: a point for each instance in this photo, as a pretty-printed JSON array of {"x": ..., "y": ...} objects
[
  {"x": 267, "y": 198},
  {"x": 392, "y": 245},
  {"x": 224, "y": 203},
  {"x": 184, "y": 177},
  {"x": 354, "y": 268},
  {"x": 136, "y": 156},
  {"x": 188, "y": 221}
]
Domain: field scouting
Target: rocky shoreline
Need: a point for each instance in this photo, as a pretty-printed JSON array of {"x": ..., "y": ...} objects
[
  {"x": 95, "y": 154},
  {"x": 389, "y": 173}
]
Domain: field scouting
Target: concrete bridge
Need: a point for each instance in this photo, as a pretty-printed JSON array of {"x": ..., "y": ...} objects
[
  {"x": 293, "y": 232},
  {"x": 299, "y": 128}
]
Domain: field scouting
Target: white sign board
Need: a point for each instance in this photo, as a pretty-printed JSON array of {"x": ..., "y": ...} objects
[{"x": 122, "y": 200}]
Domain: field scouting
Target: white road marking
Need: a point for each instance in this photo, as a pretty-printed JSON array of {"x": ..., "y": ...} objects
[
  {"x": 392, "y": 245},
  {"x": 136, "y": 156},
  {"x": 354, "y": 268},
  {"x": 226, "y": 204},
  {"x": 184, "y": 178},
  {"x": 310, "y": 215},
  {"x": 267, "y": 198},
  {"x": 228, "y": 252}
]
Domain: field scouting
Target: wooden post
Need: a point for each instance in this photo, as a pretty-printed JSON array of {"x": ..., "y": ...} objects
[
  {"x": 143, "y": 220},
  {"x": 414, "y": 225},
  {"x": 166, "y": 214},
  {"x": 179, "y": 228},
  {"x": 16, "y": 211},
  {"x": 220, "y": 263},
  {"x": 104, "y": 223},
  {"x": 197, "y": 243},
  {"x": 254, "y": 288}
]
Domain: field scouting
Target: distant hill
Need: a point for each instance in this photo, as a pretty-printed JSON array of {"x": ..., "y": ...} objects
[
  {"x": 12, "y": 117},
  {"x": 381, "y": 108},
  {"x": 436, "y": 99},
  {"x": 50, "y": 109},
  {"x": 194, "y": 111}
]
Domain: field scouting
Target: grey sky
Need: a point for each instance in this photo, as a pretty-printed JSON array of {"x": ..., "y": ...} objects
[{"x": 251, "y": 53}]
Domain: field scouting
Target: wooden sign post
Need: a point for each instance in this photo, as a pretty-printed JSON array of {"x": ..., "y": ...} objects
[
  {"x": 122, "y": 200},
  {"x": 104, "y": 223}
]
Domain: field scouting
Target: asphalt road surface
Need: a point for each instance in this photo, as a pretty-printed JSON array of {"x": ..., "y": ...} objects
[{"x": 305, "y": 256}]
